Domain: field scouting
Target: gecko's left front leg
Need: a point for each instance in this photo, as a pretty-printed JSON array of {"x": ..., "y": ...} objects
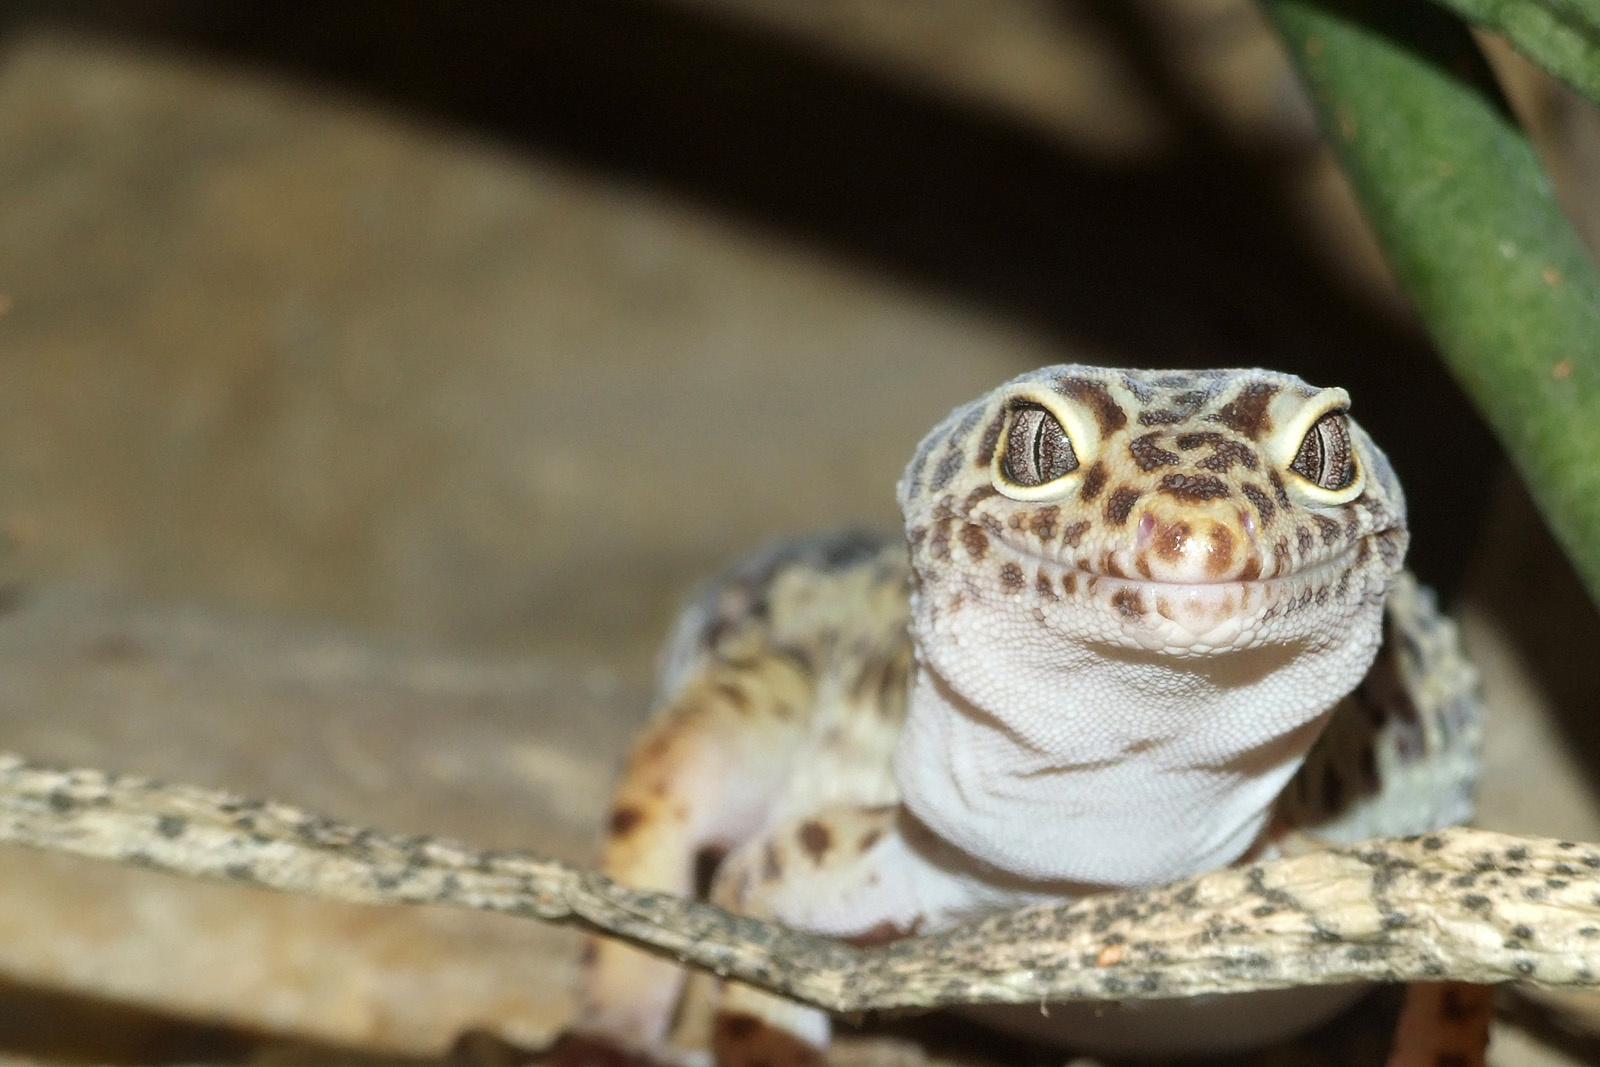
[{"x": 863, "y": 875}]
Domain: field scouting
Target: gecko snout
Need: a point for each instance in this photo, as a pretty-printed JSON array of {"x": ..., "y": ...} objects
[{"x": 1195, "y": 547}]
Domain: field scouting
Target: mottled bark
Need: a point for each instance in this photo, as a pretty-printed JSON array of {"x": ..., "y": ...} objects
[{"x": 1460, "y": 904}]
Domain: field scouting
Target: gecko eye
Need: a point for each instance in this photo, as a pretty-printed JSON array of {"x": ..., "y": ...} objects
[
  {"x": 1037, "y": 449},
  {"x": 1326, "y": 457}
]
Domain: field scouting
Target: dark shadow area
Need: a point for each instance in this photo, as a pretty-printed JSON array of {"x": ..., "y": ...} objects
[
  {"x": 1545, "y": 611},
  {"x": 1359, "y": 1037},
  {"x": 1191, "y": 258},
  {"x": 56, "y": 1026}
]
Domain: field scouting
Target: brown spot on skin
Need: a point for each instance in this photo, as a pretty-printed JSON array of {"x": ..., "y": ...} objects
[
  {"x": 1193, "y": 488},
  {"x": 1226, "y": 453},
  {"x": 1042, "y": 583},
  {"x": 1119, "y": 504},
  {"x": 977, "y": 496},
  {"x": 1045, "y": 522},
  {"x": 939, "y": 540},
  {"x": 1094, "y": 480},
  {"x": 916, "y": 535},
  {"x": 1073, "y": 535},
  {"x": 976, "y": 541},
  {"x": 1127, "y": 602},
  {"x": 733, "y": 696},
  {"x": 1188, "y": 442},
  {"x": 1110, "y": 566},
  {"x": 1018, "y": 520},
  {"x": 1219, "y": 558},
  {"x": 624, "y": 820},
  {"x": 738, "y": 1027},
  {"x": 1172, "y": 540},
  {"x": 1069, "y": 583},
  {"x": 1280, "y": 554},
  {"x": 816, "y": 839},
  {"x": 868, "y": 839},
  {"x": 1184, "y": 405},
  {"x": 1304, "y": 541},
  {"x": 655, "y": 748},
  {"x": 1247, "y": 413},
  {"x": 1330, "y": 529},
  {"x": 1149, "y": 455},
  {"x": 1011, "y": 577},
  {"x": 991, "y": 438},
  {"x": 1263, "y": 504},
  {"x": 1277, "y": 488},
  {"x": 1390, "y": 548},
  {"x": 1107, "y": 412},
  {"x": 1251, "y": 569}
]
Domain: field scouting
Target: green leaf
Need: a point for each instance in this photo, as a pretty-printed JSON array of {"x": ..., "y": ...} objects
[
  {"x": 1562, "y": 36},
  {"x": 1467, "y": 220}
]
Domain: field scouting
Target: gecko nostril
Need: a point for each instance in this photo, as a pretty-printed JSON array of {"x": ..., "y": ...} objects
[{"x": 1146, "y": 529}]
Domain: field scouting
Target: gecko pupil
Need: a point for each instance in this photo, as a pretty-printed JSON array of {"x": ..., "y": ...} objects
[
  {"x": 1326, "y": 457},
  {"x": 1037, "y": 449}
]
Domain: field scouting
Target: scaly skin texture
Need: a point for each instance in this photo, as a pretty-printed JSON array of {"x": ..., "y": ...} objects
[{"x": 1144, "y": 637}]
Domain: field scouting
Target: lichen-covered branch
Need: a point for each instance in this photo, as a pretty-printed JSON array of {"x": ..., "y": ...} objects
[{"x": 1460, "y": 904}]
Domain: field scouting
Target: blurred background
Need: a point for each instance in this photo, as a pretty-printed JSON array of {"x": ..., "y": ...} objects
[{"x": 376, "y": 377}]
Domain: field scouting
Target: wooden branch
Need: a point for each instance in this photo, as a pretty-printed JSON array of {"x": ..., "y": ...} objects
[{"x": 1466, "y": 905}]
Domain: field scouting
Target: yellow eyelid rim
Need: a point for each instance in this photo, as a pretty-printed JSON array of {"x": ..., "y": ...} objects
[
  {"x": 1081, "y": 431},
  {"x": 1288, "y": 446}
]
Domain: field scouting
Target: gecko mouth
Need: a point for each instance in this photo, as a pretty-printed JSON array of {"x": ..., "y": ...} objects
[
  {"x": 1316, "y": 575},
  {"x": 1199, "y": 617}
]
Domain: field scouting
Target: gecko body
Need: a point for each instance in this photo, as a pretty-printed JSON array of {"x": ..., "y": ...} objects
[{"x": 1142, "y": 624}]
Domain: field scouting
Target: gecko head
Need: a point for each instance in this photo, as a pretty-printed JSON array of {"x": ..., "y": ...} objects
[{"x": 1183, "y": 513}]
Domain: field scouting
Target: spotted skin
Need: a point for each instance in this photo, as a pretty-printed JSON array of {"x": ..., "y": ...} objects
[{"x": 1137, "y": 628}]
